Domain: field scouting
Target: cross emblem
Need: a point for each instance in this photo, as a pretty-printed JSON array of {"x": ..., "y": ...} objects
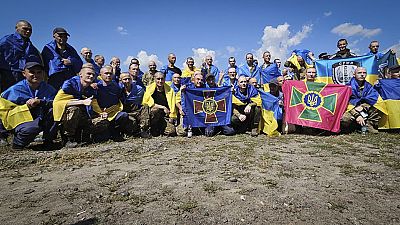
[{"x": 209, "y": 106}]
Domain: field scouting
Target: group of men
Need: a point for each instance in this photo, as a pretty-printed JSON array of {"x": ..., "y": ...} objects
[{"x": 84, "y": 100}]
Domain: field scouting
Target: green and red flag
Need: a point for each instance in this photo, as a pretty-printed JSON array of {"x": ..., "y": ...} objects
[{"x": 313, "y": 104}]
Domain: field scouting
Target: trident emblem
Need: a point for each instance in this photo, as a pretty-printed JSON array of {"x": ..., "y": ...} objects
[{"x": 312, "y": 100}]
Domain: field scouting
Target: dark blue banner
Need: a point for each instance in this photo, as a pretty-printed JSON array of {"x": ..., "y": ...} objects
[{"x": 205, "y": 107}]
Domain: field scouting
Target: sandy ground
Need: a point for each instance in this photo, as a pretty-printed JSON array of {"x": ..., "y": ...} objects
[{"x": 292, "y": 179}]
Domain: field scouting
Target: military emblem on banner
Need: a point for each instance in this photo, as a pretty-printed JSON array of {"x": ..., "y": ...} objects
[{"x": 207, "y": 106}]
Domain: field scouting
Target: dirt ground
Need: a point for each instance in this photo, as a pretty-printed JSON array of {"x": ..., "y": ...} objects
[{"x": 292, "y": 179}]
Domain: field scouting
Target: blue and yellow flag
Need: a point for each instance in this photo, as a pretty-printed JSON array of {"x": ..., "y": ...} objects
[
  {"x": 205, "y": 107},
  {"x": 13, "y": 115},
  {"x": 271, "y": 113},
  {"x": 389, "y": 90},
  {"x": 340, "y": 71}
]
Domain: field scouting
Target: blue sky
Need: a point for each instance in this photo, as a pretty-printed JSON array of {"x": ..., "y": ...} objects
[{"x": 196, "y": 28}]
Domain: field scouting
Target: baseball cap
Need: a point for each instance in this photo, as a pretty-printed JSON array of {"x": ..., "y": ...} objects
[
  {"x": 60, "y": 30},
  {"x": 29, "y": 65}
]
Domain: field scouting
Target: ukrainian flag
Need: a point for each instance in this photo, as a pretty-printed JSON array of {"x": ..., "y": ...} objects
[
  {"x": 340, "y": 71},
  {"x": 389, "y": 90},
  {"x": 271, "y": 112},
  {"x": 13, "y": 115}
]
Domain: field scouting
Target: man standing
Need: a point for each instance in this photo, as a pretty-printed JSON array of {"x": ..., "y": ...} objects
[
  {"x": 148, "y": 77},
  {"x": 87, "y": 58},
  {"x": 209, "y": 68},
  {"x": 250, "y": 70},
  {"x": 15, "y": 50},
  {"x": 373, "y": 49},
  {"x": 61, "y": 61},
  {"x": 116, "y": 69},
  {"x": 188, "y": 72},
  {"x": 33, "y": 97},
  {"x": 99, "y": 60},
  {"x": 225, "y": 80},
  {"x": 170, "y": 69},
  {"x": 343, "y": 52}
]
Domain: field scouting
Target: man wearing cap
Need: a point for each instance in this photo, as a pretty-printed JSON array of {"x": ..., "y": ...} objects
[
  {"x": 394, "y": 72},
  {"x": 26, "y": 108},
  {"x": 15, "y": 50},
  {"x": 246, "y": 108},
  {"x": 210, "y": 81},
  {"x": 61, "y": 61},
  {"x": 87, "y": 58}
]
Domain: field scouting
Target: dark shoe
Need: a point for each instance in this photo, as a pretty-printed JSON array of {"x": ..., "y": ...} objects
[
  {"x": 145, "y": 134},
  {"x": 17, "y": 147},
  {"x": 118, "y": 138}
]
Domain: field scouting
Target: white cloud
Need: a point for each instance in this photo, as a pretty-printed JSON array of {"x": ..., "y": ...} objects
[
  {"x": 349, "y": 29},
  {"x": 395, "y": 47},
  {"x": 329, "y": 13},
  {"x": 199, "y": 54},
  {"x": 121, "y": 30},
  {"x": 278, "y": 40},
  {"x": 231, "y": 49},
  {"x": 144, "y": 60}
]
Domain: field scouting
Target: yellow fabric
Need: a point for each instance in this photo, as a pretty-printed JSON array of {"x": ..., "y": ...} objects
[
  {"x": 391, "y": 120},
  {"x": 268, "y": 123},
  {"x": 13, "y": 115},
  {"x": 256, "y": 100},
  {"x": 293, "y": 59},
  {"x": 178, "y": 96},
  {"x": 266, "y": 87},
  {"x": 380, "y": 105},
  {"x": 112, "y": 111},
  {"x": 189, "y": 73},
  {"x": 371, "y": 78},
  {"x": 59, "y": 104},
  {"x": 169, "y": 93}
]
